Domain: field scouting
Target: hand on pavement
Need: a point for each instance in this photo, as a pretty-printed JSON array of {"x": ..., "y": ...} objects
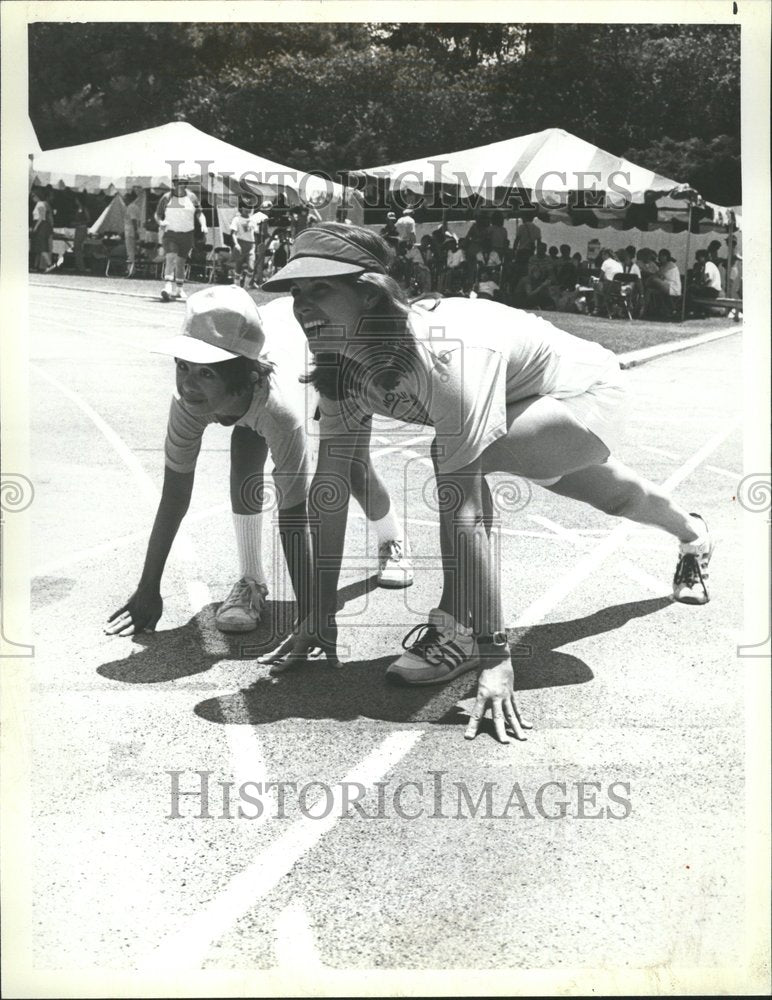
[
  {"x": 140, "y": 613},
  {"x": 496, "y": 685},
  {"x": 305, "y": 645}
]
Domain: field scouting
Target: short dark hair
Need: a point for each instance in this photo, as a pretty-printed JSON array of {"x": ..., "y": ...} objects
[{"x": 236, "y": 373}]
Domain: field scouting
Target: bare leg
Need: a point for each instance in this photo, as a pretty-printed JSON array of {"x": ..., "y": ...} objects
[
  {"x": 544, "y": 440},
  {"x": 617, "y": 490},
  {"x": 368, "y": 489},
  {"x": 170, "y": 261}
]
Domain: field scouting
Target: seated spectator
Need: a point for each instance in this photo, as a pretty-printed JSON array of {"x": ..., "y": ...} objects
[
  {"x": 533, "y": 291},
  {"x": 695, "y": 278},
  {"x": 486, "y": 256},
  {"x": 712, "y": 281},
  {"x": 629, "y": 266},
  {"x": 554, "y": 257},
  {"x": 714, "y": 257},
  {"x": 703, "y": 283},
  {"x": 609, "y": 267},
  {"x": 487, "y": 286},
  {"x": 567, "y": 269},
  {"x": 663, "y": 289},
  {"x": 647, "y": 263},
  {"x": 584, "y": 273}
]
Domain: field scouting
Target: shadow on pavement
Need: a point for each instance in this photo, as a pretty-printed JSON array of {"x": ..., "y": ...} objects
[
  {"x": 172, "y": 654},
  {"x": 358, "y": 689}
]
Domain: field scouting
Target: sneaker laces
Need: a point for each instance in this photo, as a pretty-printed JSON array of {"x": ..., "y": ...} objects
[
  {"x": 244, "y": 591},
  {"x": 689, "y": 572},
  {"x": 429, "y": 637},
  {"x": 392, "y": 550}
]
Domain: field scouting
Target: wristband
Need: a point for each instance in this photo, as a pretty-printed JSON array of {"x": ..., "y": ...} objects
[{"x": 493, "y": 639}]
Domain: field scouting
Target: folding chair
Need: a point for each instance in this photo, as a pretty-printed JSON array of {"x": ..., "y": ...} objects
[{"x": 617, "y": 299}]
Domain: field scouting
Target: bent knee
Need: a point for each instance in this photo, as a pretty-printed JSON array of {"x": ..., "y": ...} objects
[{"x": 624, "y": 503}]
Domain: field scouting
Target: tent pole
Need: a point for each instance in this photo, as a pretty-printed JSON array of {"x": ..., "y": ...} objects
[{"x": 686, "y": 265}]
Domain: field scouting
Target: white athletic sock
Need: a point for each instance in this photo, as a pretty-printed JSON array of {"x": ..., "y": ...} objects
[
  {"x": 249, "y": 542},
  {"x": 702, "y": 541},
  {"x": 388, "y": 528}
]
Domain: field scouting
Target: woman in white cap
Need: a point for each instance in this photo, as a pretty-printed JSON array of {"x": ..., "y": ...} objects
[
  {"x": 505, "y": 391},
  {"x": 236, "y": 367}
]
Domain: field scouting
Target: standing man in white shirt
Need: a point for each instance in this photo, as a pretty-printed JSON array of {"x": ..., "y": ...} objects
[
  {"x": 176, "y": 217},
  {"x": 405, "y": 226}
]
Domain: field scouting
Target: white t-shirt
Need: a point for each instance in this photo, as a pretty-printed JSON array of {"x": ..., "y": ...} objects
[
  {"x": 610, "y": 267},
  {"x": 280, "y": 411},
  {"x": 242, "y": 228},
  {"x": 475, "y": 357},
  {"x": 40, "y": 211},
  {"x": 493, "y": 258},
  {"x": 712, "y": 276},
  {"x": 669, "y": 273},
  {"x": 179, "y": 214},
  {"x": 257, "y": 221}
]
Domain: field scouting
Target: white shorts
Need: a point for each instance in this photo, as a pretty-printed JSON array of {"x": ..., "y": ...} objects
[{"x": 602, "y": 410}]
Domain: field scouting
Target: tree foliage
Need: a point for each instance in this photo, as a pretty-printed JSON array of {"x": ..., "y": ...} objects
[{"x": 336, "y": 96}]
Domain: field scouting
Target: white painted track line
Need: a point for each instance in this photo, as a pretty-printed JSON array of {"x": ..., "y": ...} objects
[
  {"x": 186, "y": 948},
  {"x": 563, "y": 586},
  {"x": 656, "y": 586},
  {"x": 295, "y": 945}
]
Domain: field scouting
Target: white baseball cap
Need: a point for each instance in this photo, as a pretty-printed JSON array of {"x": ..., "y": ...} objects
[{"x": 221, "y": 323}]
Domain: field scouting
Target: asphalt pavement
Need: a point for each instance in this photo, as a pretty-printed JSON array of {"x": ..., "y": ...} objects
[{"x": 611, "y": 839}]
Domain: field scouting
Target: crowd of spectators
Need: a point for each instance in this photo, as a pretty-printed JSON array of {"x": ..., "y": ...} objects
[
  {"x": 625, "y": 282},
  {"x": 257, "y": 239},
  {"x": 524, "y": 272}
]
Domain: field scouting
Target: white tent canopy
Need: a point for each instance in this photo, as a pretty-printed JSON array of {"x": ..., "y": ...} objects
[
  {"x": 148, "y": 159},
  {"x": 552, "y": 161},
  {"x": 33, "y": 146},
  {"x": 551, "y": 164}
]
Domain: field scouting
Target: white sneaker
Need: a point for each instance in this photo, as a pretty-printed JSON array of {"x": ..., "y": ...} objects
[
  {"x": 395, "y": 567},
  {"x": 242, "y": 608},
  {"x": 690, "y": 583},
  {"x": 179, "y": 294},
  {"x": 443, "y": 650},
  {"x": 167, "y": 293}
]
